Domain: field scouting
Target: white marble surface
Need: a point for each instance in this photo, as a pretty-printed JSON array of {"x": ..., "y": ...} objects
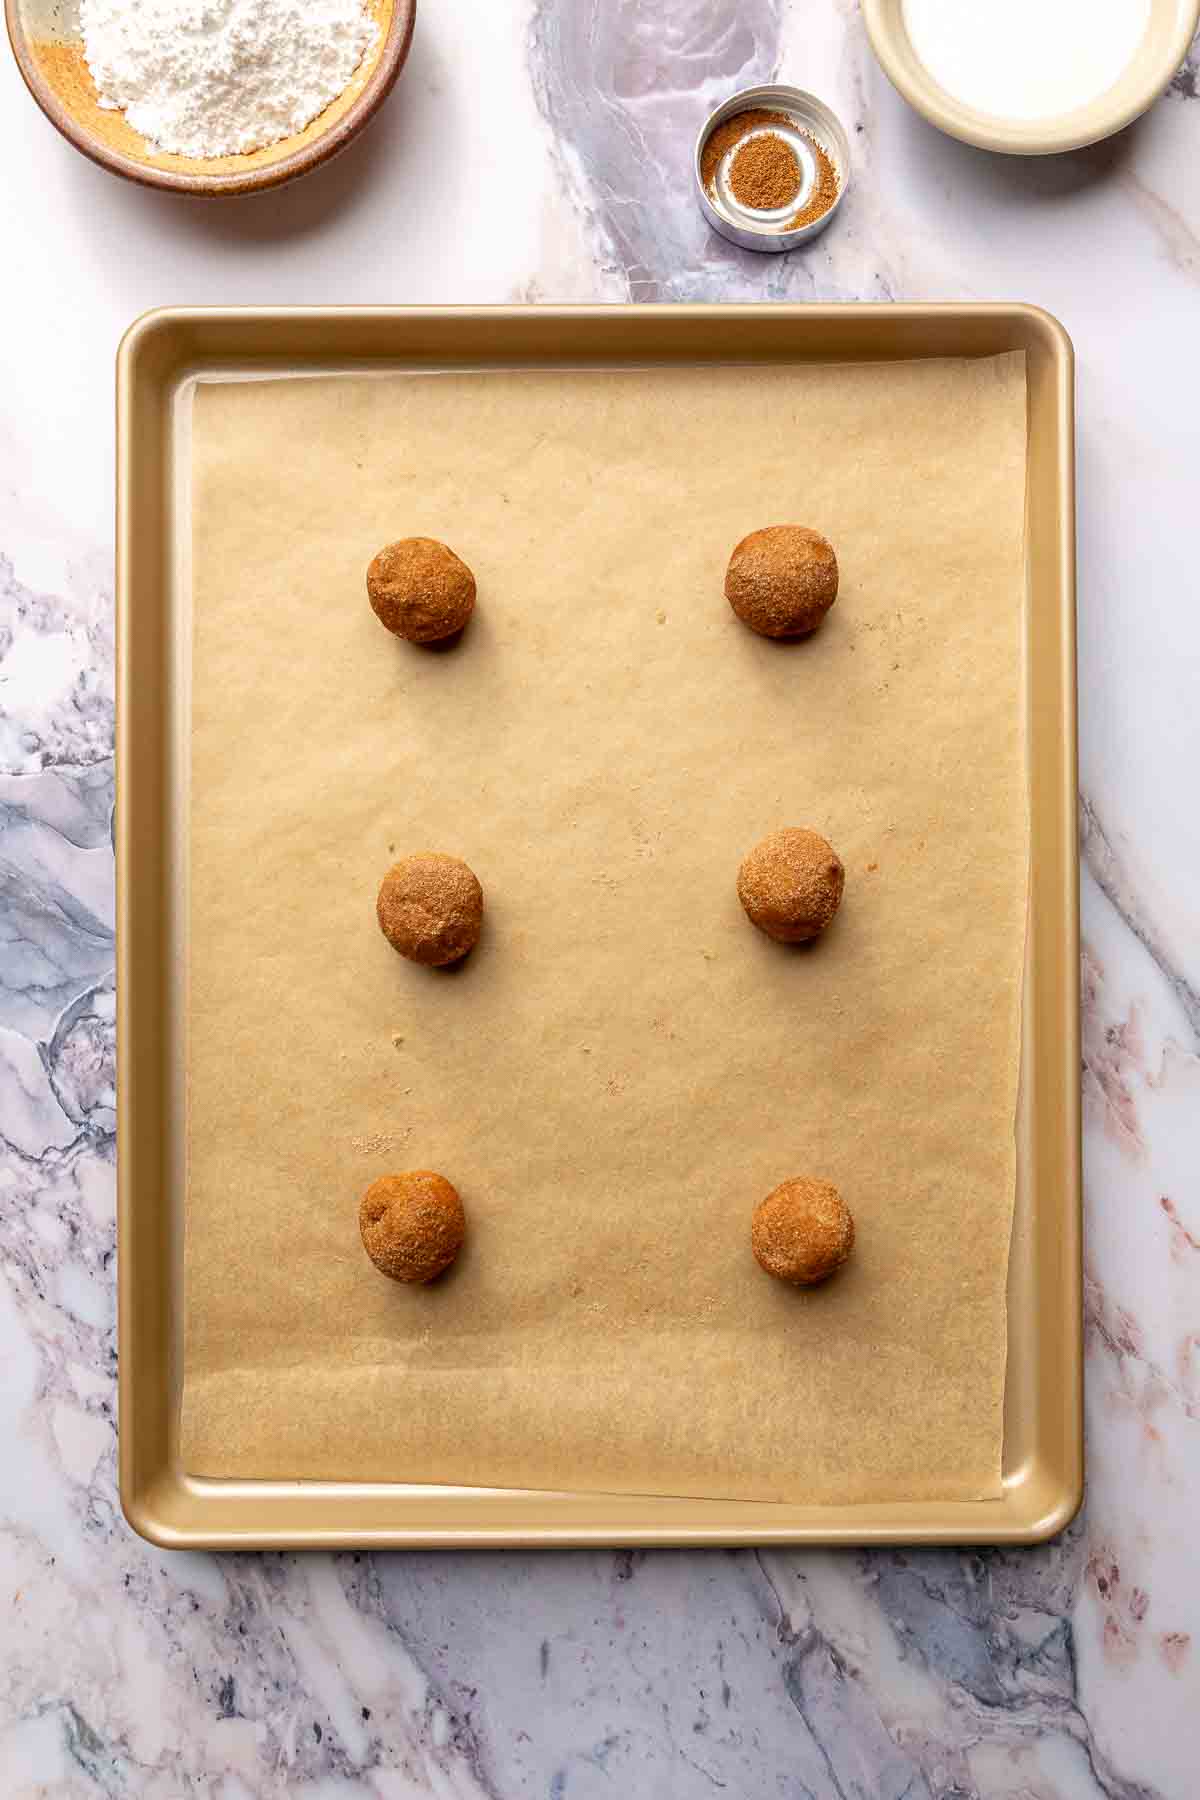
[{"x": 541, "y": 151}]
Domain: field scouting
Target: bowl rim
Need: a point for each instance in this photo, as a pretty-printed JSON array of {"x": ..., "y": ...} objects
[
  {"x": 1036, "y": 137},
  {"x": 388, "y": 64}
]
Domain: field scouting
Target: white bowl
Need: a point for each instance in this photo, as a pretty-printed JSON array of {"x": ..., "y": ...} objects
[{"x": 1172, "y": 27}]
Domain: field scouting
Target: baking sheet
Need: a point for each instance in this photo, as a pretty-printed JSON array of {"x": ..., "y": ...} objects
[{"x": 623, "y": 1067}]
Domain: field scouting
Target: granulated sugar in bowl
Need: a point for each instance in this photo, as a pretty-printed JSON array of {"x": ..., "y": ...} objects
[{"x": 1031, "y": 77}]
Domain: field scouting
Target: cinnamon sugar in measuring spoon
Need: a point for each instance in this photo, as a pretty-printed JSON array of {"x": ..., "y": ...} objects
[
  {"x": 824, "y": 190},
  {"x": 730, "y": 133},
  {"x": 765, "y": 172}
]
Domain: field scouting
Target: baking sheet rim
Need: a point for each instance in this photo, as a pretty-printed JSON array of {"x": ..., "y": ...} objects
[{"x": 152, "y": 1492}]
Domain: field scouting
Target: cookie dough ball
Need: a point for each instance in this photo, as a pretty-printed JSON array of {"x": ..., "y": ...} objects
[
  {"x": 412, "y": 1225},
  {"x": 781, "y": 581},
  {"x": 420, "y": 590},
  {"x": 802, "y": 1231},
  {"x": 791, "y": 884},
  {"x": 430, "y": 908}
]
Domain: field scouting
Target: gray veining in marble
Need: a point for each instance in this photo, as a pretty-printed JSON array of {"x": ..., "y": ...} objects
[
  {"x": 626, "y": 88},
  {"x": 1064, "y": 1673}
]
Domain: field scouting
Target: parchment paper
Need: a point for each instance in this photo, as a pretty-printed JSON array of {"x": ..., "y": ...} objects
[{"x": 624, "y": 1066}]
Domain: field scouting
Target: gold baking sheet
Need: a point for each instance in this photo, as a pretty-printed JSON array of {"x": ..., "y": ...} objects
[
  {"x": 623, "y": 1067},
  {"x": 163, "y": 1493}
]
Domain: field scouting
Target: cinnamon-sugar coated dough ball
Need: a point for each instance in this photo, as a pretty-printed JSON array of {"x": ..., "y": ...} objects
[
  {"x": 420, "y": 590},
  {"x": 782, "y": 580},
  {"x": 791, "y": 884},
  {"x": 802, "y": 1231},
  {"x": 430, "y": 908},
  {"x": 412, "y": 1225}
]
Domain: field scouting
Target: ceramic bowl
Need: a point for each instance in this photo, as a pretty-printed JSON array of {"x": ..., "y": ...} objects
[
  {"x": 46, "y": 41},
  {"x": 1168, "y": 36}
]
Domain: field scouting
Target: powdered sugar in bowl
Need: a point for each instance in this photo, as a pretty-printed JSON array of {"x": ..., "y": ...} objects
[{"x": 142, "y": 86}]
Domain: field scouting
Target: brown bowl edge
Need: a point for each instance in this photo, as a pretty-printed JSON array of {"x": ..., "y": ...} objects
[{"x": 382, "y": 79}]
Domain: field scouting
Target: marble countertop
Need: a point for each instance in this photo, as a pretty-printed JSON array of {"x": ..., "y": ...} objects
[{"x": 539, "y": 149}]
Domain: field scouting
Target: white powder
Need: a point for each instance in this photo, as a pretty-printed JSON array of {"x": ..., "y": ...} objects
[
  {"x": 1026, "y": 59},
  {"x": 218, "y": 77}
]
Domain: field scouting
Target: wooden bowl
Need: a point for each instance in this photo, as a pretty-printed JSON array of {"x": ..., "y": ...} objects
[{"x": 46, "y": 41}]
